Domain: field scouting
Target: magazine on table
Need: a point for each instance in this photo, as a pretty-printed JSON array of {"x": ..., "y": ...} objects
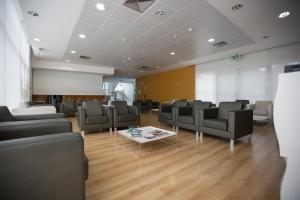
[{"x": 135, "y": 132}]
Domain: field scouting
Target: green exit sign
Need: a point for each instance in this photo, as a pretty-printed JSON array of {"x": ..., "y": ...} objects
[{"x": 235, "y": 56}]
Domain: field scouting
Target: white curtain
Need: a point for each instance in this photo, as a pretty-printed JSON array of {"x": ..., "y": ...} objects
[
  {"x": 14, "y": 57},
  {"x": 254, "y": 77}
]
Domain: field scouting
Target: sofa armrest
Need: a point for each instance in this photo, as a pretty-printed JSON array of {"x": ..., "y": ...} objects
[
  {"x": 38, "y": 117},
  {"x": 81, "y": 118},
  {"x": 43, "y": 167},
  {"x": 240, "y": 123},
  {"x": 107, "y": 110},
  {"x": 22, "y": 129}
]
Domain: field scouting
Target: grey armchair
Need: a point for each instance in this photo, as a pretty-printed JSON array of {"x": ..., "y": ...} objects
[
  {"x": 263, "y": 109},
  {"x": 93, "y": 116},
  {"x": 229, "y": 121},
  {"x": 125, "y": 115},
  {"x": 167, "y": 112},
  {"x": 188, "y": 117},
  {"x": 43, "y": 167},
  {"x": 68, "y": 107}
]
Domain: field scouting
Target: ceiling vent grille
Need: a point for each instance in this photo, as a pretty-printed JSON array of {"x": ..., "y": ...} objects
[
  {"x": 220, "y": 44},
  {"x": 139, "y": 5},
  {"x": 85, "y": 57},
  {"x": 146, "y": 68}
]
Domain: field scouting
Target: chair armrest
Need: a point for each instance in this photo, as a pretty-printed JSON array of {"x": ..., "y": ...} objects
[
  {"x": 38, "y": 117},
  {"x": 270, "y": 112},
  {"x": 43, "y": 167},
  {"x": 240, "y": 123},
  {"x": 22, "y": 129},
  {"x": 81, "y": 117},
  {"x": 134, "y": 110},
  {"x": 108, "y": 112}
]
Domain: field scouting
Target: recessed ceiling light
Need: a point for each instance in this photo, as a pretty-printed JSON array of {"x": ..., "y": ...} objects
[
  {"x": 172, "y": 53},
  {"x": 190, "y": 29},
  {"x": 82, "y": 36},
  {"x": 124, "y": 39},
  {"x": 100, "y": 6},
  {"x": 41, "y": 53},
  {"x": 123, "y": 60},
  {"x": 68, "y": 61},
  {"x": 160, "y": 13},
  {"x": 73, "y": 52},
  {"x": 211, "y": 40},
  {"x": 284, "y": 14},
  {"x": 175, "y": 36},
  {"x": 128, "y": 58},
  {"x": 37, "y": 39},
  {"x": 237, "y": 7}
]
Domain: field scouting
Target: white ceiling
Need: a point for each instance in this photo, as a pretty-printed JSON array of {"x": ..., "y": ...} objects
[{"x": 150, "y": 38}]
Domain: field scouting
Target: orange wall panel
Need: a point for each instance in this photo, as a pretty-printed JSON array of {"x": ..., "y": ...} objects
[{"x": 166, "y": 86}]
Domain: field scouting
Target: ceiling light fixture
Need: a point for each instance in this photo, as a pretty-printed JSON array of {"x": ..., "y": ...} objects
[
  {"x": 190, "y": 29},
  {"x": 284, "y": 14},
  {"x": 211, "y": 40},
  {"x": 237, "y": 7},
  {"x": 73, "y": 52},
  {"x": 175, "y": 36},
  {"x": 172, "y": 53},
  {"x": 37, "y": 39},
  {"x": 124, "y": 39},
  {"x": 160, "y": 13},
  {"x": 68, "y": 61},
  {"x": 82, "y": 36},
  {"x": 128, "y": 58},
  {"x": 100, "y": 6}
]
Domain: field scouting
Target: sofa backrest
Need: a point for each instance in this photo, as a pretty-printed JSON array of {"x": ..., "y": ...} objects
[
  {"x": 226, "y": 107},
  {"x": 180, "y": 103},
  {"x": 92, "y": 108},
  {"x": 120, "y": 106},
  {"x": 262, "y": 105},
  {"x": 5, "y": 114},
  {"x": 198, "y": 104}
]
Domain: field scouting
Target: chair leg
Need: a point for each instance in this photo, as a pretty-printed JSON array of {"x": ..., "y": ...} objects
[
  {"x": 115, "y": 129},
  {"x": 250, "y": 139},
  {"x": 197, "y": 135},
  {"x": 201, "y": 136},
  {"x": 173, "y": 128},
  {"x": 110, "y": 130},
  {"x": 231, "y": 144},
  {"x": 82, "y": 134},
  {"x": 177, "y": 129}
]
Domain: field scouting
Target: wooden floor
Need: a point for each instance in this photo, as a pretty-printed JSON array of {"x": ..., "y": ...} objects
[{"x": 192, "y": 170}]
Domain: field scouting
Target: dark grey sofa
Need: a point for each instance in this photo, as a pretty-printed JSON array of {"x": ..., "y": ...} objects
[
  {"x": 188, "y": 117},
  {"x": 68, "y": 107},
  {"x": 125, "y": 115},
  {"x": 43, "y": 167},
  {"x": 167, "y": 112},
  {"x": 93, "y": 116},
  {"x": 228, "y": 121}
]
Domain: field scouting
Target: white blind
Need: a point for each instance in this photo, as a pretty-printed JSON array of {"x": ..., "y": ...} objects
[{"x": 14, "y": 57}]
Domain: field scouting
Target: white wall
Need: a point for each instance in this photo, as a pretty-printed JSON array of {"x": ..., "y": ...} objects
[
  {"x": 54, "y": 82},
  {"x": 253, "y": 77}
]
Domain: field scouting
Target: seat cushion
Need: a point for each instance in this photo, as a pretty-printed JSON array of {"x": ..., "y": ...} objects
[
  {"x": 260, "y": 112},
  {"x": 220, "y": 124},
  {"x": 166, "y": 115},
  {"x": 186, "y": 119},
  {"x": 127, "y": 117},
  {"x": 5, "y": 114},
  {"x": 120, "y": 106},
  {"x": 99, "y": 119},
  {"x": 226, "y": 107},
  {"x": 92, "y": 108}
]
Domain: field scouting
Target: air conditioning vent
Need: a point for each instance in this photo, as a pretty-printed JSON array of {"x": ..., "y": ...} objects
[
  {"x": 139, "y": 5},
  {"x": 146, "y": 68},
  {"x": 220, "y": 44},
  {"x": 85, "y": 57}
]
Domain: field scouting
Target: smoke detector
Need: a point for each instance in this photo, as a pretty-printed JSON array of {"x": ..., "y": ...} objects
[
  {"x": 139, "y": 5},
  {"x": 32, "y": 13}
]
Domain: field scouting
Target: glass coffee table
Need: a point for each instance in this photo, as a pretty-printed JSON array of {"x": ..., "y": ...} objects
[{"x": 145, "y": 135}]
